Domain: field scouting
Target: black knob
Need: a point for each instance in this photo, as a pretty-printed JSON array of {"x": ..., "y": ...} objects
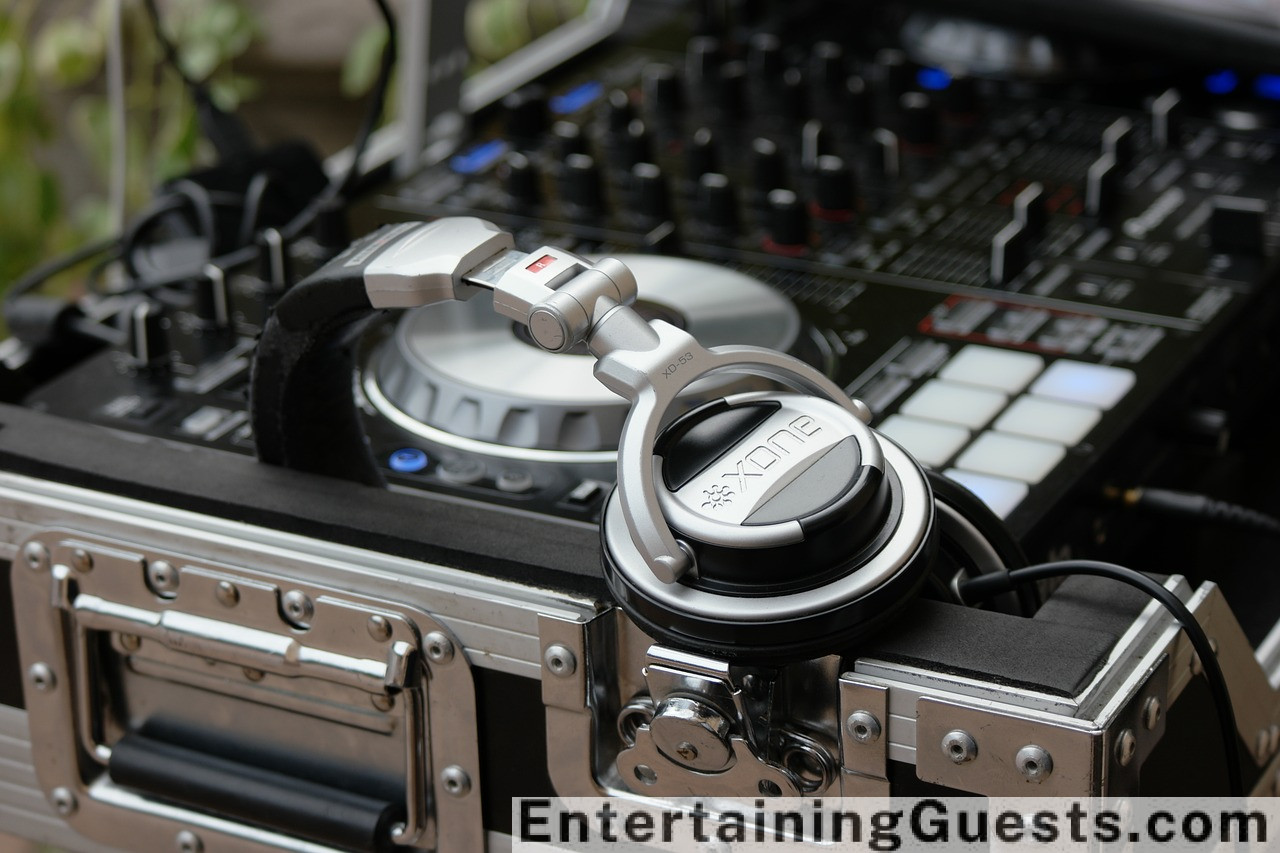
[
  {"x": 567, "y": 139},
  {"x": 650, "y": 193},
  {"x": 788, "y": 222},
  {"x": 1166, "y": 120},
  {"x": 732, "y": 94},
  {"x": 1102, "y": 187},
  {"x": 145, "y": 331},
  {"x": 661, "y": 92},
  {"x": 634, "y": 145},
  {"x": 1030, "y": 211},
  {"x": 526, "y": 113},
  {"x": 919, "y": 123},
  {"x": 580, "y": 185},
  {"x": 827, "y": 67},
  {"x": 618, "y": 111},
  {"x": 885, "y": 157},
  {"x": 702, "y": 62},
  {"x": 1010, "y": 253},
  {"x": 961, "y": 101},
  {"x": 1117, "y": 140},
  {"x": 893, "y": 77},
  {"x": 764, "y": 59},
  {"x": 768, "y": 166},
  {"x": 793, "y": 99},
  {"x": 815, "y": 141},
  {"x": 1236, "y": 225},
  {"x": 702, "y": 153},
  {"x": 857, "y": 102},
  {"x": 717, "y": 203},
  {"x": 834, "y": 189},
  {"x": 520, "y": 179}
]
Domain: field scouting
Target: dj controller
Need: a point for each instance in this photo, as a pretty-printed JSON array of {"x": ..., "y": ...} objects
[{"x": 1038, "y": 276}]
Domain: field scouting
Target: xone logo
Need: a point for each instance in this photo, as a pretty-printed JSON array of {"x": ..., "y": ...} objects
[{"x": 759, "y": 459}]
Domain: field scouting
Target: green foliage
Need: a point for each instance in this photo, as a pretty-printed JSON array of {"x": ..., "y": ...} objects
[{"x": 59, "y": 55}]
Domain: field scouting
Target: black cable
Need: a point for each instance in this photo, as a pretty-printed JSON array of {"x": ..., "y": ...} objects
[
  {"x": 985, "y": 586},
  {"x": 37, "y": 276},
  {"x": 1198, "y": 507}
]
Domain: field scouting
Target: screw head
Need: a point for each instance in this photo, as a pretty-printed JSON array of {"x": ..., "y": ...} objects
[
  {"x": 646, "y": 774},
  {"x": 379, "y": 628},
  {"x": 298, "y": 608},
  {"x": 863, "y": 727},
  {"x": 130, "y": 642},
  {"x": 1126, "y": 747},
  {"x": 439, "y": 647},
  {"x": 81, "y": 560},
  {"x": 959, "y": 746},
  {"x": 687, "y": 751},
  {"x": 382, "y": 702},
  {"x": 455, "y": 780},
  {"x": 36, "y": 556},
  {"x": 163, "y": 578},
  {"x": 64, "y": 801},
  {"x": 42, "y": 677},
  {"x": 189, "y": 842},
  {"x": 253, "y": 674},
  {"x": 560, "y": 660},
  {"x": 227, "y": 593},
  {"x": 1151, "y": 713},
  {"x": 1034, "y": 762}
]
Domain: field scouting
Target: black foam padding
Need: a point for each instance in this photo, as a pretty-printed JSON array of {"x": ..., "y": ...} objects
[
  {"x": 304, "y": 414},
  {"x": 499, "y": 543},
  {"x": 994, "y": 647},
  {"x": 255, "y": 795},
  {"x": 502, "y": 698},
  {"x": 10, "y": 674},
  {"x": 1096, "y": 603}
]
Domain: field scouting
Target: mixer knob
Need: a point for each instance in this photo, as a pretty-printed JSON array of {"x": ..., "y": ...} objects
[
  {"x": 580, "y": 185},
  {"x": 815, "y": 141},
  {"x": 960, "y": 101},
  {"x": 145, "y": 332},
  {"x": 1236, "y": 225},
  {"x": 567, "y": 140},
  {"x": 787, "y": 223},
  {"x": 919, "y": 129},
  {"x": 633, "y": 145},
  {"x": 793, "y": 98},
  {"x": 1030, "y": 211},
  {"x": 717, "y": 203},
  {"x": 650, "y": 195},
  {"x": 702, "y": 153},
  {"x": 702, "y": 62},
  {"x": 857, "y": 100},
  {"x": 764, "y": 59},
  {"x": 732, "y": 99},
  {"x": 526, "y": 113},
  {"x": 520, "y": 178},
  {"x": 1117, "y": 140},
  {"x": 768, "y": 167},
  {"x": 660, "y": 91},
  {"x": 1010, "y": 253},
  {"x": 893, "y": 77},
  {"x": 618, "y": 111},
  {"x": 1166, "y": 120},
  {"x": 885, "y": 159},
  {"x": 1102, "y": 187},
  {"x": 827, "y": 67},
  {"x": 833, "y": 190}
]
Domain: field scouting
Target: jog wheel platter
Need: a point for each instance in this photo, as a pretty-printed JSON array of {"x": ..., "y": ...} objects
[{"x": 462, "y": 377}]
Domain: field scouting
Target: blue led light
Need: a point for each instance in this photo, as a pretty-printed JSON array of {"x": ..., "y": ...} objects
[
  {"x": 1222, "y": 82},
  {"x": 1267, "y": 86},
  {"x": 408, "y": 460},
  {"x": 478, "y": 157},
  {"x": 576, "y": 98},
  {"x": 933, "y": 79}
]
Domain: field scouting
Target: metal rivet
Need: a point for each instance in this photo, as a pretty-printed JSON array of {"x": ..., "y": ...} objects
[
  {"x": 298, "y": 608},
  {"x": 228, "y": 594},
  {"x": 769, "y": 788},
  {"x": 64, "y": 801},
  {"x": 687, "y": 751},
  {"x": 163, "y": 578},
  {"x": 439, "y": 647},
  {"x": 130, "y": 642},
  {"x": 1034, "y": 762},
  {"x": 81, "y": 560},
  {"x": 382, "y": 702},
  {"x": 42, "y": 678},
  {"x": 1126, "y": 747},
  {"x": 36, "y": 555},
  {"x": 959, "y": 746},
  {"x": 646, "y": 774},
  {"x": 253, "y": 674},
  {"x": 1151, "y": 713},
  {"x": 455, "y": 780},
  {"x": 379, "y": 628},
  {"x": 560, "y": 660},
  {"x": 189, "y": 842},
  {"x": 863, "y": 727}
]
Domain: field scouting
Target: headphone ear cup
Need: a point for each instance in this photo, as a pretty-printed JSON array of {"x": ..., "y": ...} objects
[{"x": 975, "y": 541}]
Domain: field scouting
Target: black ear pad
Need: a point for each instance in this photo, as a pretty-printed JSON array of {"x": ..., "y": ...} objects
[{"x": 303, "y": 409}]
